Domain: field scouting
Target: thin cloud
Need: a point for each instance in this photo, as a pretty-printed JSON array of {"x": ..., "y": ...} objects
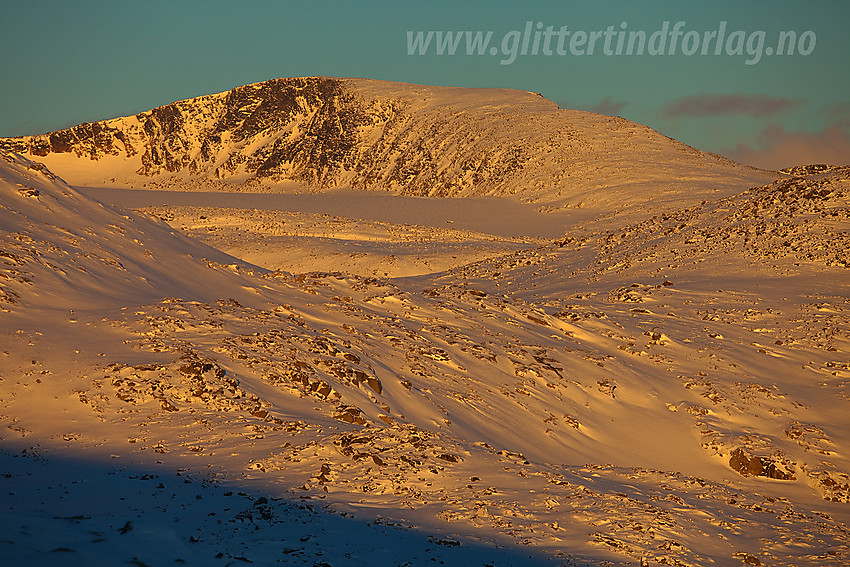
[
  {"x": 607, "y": 106},
  {"x": 756, "y": 106},
  {"x": 837, "y": 111},
  {"x": 776, "y": 148}
]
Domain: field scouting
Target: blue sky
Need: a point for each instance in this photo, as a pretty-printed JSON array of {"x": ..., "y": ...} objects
[{"x": 70, "y": 62}]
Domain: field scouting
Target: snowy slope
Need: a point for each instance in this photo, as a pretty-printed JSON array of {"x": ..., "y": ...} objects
[
  {"x": 63, "y": 250},
  {"x": 669, "y": 392},
  {"x": 319, "y": 133}
]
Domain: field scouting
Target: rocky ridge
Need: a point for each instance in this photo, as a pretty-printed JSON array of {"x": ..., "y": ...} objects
[{"x": 414, "y": 140}]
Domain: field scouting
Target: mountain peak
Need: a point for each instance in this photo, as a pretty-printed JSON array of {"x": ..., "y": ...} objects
[{"x": 325, "y": 133}]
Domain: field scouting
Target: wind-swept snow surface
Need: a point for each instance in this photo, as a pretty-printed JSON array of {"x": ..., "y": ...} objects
[{"x": 670, "y": 391}]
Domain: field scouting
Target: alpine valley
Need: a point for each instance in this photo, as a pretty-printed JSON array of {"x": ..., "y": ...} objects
[{"x": 320, "y": 321}]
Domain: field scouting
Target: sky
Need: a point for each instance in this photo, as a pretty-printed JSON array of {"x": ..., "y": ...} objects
[{"x": 65, "y": 63}]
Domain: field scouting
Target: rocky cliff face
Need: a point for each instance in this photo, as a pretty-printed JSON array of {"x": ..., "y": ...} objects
[
  {"x": 414, "y": 140},
  {"x": 285, "y": 127}
]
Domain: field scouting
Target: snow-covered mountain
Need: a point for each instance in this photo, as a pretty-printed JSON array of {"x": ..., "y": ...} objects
[
  {"x": 669, "y": 390},
  {"x": 414, "y": 140}
]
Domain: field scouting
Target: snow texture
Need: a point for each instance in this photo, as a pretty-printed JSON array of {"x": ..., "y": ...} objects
[{"x": 663, "y": 381}]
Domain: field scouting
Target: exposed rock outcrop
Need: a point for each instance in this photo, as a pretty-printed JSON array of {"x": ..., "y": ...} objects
[{"x": 753, "y": 465}]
